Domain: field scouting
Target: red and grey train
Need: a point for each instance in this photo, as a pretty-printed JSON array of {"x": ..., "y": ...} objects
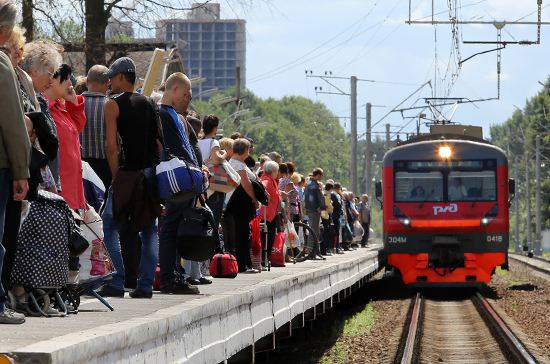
[{"x": 445, "y": 210}]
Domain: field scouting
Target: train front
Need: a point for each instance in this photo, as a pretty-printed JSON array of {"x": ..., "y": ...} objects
[{"x": 445, "y": 208}]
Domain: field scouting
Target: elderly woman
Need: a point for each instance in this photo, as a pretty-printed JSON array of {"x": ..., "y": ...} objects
[
  {"x": 241, "y": 208},
  {"x": 69, "y": 120},
  {"x": 268, "y": 214},
  {"x": 15, "y": 148},
  {"x": 39, "y": 63}
]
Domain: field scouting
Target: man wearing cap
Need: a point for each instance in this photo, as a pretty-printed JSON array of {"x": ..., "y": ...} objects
[{"x": 134, "y": 117}]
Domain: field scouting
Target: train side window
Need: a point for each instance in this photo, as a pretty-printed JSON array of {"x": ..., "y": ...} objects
[
  {"x": 418, "y": 186},
  {"x": 472, "y": 185}
]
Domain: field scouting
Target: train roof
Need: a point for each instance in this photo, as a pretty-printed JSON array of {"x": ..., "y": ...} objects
[{"x": 463, "y": 148}]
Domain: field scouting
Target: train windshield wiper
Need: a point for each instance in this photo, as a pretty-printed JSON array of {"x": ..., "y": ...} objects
[{"x": 427, "y": 197}]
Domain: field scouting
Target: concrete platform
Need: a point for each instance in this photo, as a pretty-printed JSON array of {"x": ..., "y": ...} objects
[{"x": 229, "y": 321}]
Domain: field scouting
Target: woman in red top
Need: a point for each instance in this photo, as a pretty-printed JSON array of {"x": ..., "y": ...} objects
[
  {"x": 272, "y": 187},
  {"x": 69, "y": 120}
]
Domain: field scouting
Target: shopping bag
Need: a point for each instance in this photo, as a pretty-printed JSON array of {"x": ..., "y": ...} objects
[
  {"x": 277, "y": 257},
  {"x": 94, "y": 262},
  {"x": 291, "y": 236},
  {"x": 358, "y": 231},
  {"x": 223, "y": 178}
]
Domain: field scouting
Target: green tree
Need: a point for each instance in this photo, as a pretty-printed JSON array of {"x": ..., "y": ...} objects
[
  {"x": 516, "y": 136},
  {"x": 70, "y": 31},
  {"x": 320, "y": 141}
]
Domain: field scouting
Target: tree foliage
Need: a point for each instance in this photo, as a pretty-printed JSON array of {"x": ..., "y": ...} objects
[
  {"x": 516, "y": 136},
  {"x": 319, "y": 140},
  {"x": 93, "y": 15}
]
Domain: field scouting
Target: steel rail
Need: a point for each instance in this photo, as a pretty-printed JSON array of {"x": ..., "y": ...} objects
[
  {"x": 409, "y": 351},
  {"x": 513, "y": 343}
]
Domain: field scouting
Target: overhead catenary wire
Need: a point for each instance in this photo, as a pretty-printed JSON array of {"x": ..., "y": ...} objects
[{"x": 276, "y": 70}]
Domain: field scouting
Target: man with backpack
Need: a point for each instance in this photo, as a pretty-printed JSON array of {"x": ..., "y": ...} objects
[{"x": 176, "y": 138}]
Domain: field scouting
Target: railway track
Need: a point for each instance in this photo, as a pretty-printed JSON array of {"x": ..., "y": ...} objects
[{"x": 459, "y": 331}]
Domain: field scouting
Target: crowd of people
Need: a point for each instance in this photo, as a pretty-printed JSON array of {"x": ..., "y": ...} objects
[{"x": 101, "y": 119}]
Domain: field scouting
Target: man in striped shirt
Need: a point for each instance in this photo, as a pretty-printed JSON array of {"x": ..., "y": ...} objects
[{"x": 93, "y": 138}]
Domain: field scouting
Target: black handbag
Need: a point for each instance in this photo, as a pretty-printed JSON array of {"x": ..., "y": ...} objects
[
  {"x": 77, "y": 242},
  {"x": 197, "y": 237}
]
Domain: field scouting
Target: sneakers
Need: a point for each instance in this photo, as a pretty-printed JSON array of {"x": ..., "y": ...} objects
[
  {"x": 178, "y": 287},
  {"x": 9, "y": 316},
  {"x": 251, "y": 271},
  {"x": 108, "y": 291},
  {"x": 203, "y": 280},
  {"x": 138, "y": 293}
]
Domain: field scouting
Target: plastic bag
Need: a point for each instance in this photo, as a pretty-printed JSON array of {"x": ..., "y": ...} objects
[
  {"x": 358, "y": 231},
  {"x": 94, "y": 262},
  {"x": 291, "y": 236}
]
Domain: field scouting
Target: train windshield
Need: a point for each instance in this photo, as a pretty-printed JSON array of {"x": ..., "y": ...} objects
[
  {"x": 434, "y": 181},
  {"x": 468, "y": 186},
  {"x": 419, "y": 186}
]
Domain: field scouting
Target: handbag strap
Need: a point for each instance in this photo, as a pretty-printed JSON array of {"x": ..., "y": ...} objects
[
  {"x": 219, "y": 263},
  {"x": 210, "y": 218}
]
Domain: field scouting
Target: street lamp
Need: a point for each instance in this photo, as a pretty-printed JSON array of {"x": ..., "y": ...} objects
[
  {"x": 223, "y": 101},
  {"x": 251, "y": 120},
  {"x": 261, "y": 125},
  {"x": 196, "y": 80},
  {"x": 207, "y": 93},
  {"x": 236, "y": 114}
]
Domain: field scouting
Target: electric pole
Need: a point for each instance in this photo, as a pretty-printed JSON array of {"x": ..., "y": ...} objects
[
  {"x": 528, "y": 197},
  {"x": 368, "y": 153},
  {"x": 538, "y": 237},
  {"x": 237, "y": 122},
  {"x": 516, "y": 196},
  {"x": 353, "y": 144},
  {"x": 388, "y": 144}
]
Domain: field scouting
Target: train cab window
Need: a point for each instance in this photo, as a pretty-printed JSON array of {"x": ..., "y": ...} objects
[
  {"x": 419, "y": 186},
  {"x": 472, "y": 185}
]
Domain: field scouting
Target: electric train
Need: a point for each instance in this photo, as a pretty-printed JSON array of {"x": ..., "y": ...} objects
[{"x": 445, "y": 209}]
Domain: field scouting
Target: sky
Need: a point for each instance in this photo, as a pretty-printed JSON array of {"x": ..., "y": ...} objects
[{"x": 369, "y": 39}]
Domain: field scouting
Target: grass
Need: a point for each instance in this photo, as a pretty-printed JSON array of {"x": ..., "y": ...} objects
[
  {"x": 546, "y": 255},
  {"x": 357, "y": 325},
  {"x": 506, "y": 275}
]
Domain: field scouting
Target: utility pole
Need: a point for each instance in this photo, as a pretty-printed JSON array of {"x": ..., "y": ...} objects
[
  {"x": 388, "y": 144},
  {"x": 237, "y": 122},
  {"x": 353, "y": 144},
  {"x": 538, "y": 237},
  {"x": 516, "y": 197},
  {"x": 368, "y": 154},
  {"x": 528, "y": 197}
]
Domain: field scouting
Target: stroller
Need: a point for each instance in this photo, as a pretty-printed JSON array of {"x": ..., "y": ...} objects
[{"x": 41, "y": 261}]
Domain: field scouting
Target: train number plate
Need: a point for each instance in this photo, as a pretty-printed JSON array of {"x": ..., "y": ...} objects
[
  {"x": 397, "y": 239},
  {"x": 494, "y": 238}
]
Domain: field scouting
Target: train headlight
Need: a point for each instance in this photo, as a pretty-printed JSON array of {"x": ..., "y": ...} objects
[
  {"x": 444, "y": 152},
  {"x": 401, "y": 217},
  {"x": 490, "y": 216}
]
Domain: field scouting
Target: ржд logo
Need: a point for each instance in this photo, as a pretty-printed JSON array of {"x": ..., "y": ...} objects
[{"x": 451, "y": 208}]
